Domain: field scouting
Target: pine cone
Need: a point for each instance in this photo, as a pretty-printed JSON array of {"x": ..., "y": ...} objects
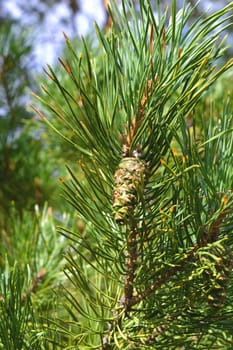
[{"x": 129, "y": 184}]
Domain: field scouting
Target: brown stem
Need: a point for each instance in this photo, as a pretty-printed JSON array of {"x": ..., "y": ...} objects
[
  {"x": 211, "y": 234},
  {"x": 162, "y": 280},
  {"x": 210, "y": 238},
  {"x": 131, "y": 265}
]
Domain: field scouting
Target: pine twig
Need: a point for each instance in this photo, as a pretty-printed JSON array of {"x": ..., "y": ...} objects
[
  {"x": 211, "y": 237},
  {"x": 131, "y": 266}
]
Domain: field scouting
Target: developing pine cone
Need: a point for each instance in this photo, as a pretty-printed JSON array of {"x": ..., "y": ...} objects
[{"x": 129, "y": 186}]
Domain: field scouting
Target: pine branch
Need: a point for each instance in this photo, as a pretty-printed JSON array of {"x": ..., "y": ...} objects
[{"x": 156, "y": 228}]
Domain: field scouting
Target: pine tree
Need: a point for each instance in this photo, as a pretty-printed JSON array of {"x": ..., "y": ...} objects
[{"x": 151, "y": 267}]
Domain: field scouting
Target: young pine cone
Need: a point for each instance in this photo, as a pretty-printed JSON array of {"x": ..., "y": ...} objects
[{"x": 129, "y": 187}]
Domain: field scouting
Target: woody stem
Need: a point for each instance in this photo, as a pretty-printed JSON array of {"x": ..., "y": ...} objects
[{"x": 131, "y": 265}]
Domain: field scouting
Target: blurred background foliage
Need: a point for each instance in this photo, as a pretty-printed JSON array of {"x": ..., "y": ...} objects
[{"x": 33, "y": 159}]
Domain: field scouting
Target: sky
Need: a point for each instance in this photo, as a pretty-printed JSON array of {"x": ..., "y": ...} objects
[{"x": 48, "y": 36}]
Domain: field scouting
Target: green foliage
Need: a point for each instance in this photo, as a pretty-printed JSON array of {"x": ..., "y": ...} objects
[
  {"x": 26, "y": 176},
  {"x": 12, "y": 110},
  {"x": 30, "y": 278},
  {"x": 153, "y": 267},
  {"x": 32, "y": 240},
  {"x": 29, "y": 241},
  {"x": 17, "y": 324}
]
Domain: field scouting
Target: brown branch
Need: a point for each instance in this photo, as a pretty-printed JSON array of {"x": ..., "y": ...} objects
[
  {"x": 212, "y": 234},
  {"x": 162, "y": 280},
  {"x": 211, "y": 237},
  {"x": 131, "y": 265}
]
